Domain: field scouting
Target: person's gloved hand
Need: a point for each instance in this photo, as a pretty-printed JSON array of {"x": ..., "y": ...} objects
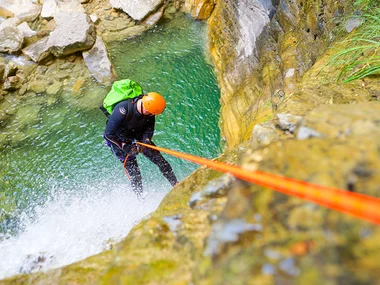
[
  {"x": 136, "y": 148},
  {"x": 126, "y": 145},
  {"x": 147, "y": 141},
  {"x": 141, "y": 147}
]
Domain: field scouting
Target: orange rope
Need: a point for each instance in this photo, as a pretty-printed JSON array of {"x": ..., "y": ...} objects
[{"x": 358, "y": 205}]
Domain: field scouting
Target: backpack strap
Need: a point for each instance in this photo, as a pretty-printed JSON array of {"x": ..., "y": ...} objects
[
  {"x": 131, "y": 103},
  {"x": 104, "y": 111},
  {"x": 130, "y": 109}
]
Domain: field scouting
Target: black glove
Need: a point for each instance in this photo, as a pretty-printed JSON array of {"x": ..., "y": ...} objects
[
  {"x": 147, "y": 141},
  {"x": 136, "y": 147},
  {"x": 141, "y": 148},
  {"x": 126, "y": 145}
]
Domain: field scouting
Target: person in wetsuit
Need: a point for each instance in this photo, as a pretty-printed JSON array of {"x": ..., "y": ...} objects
[{"x": 131, "y": 120}]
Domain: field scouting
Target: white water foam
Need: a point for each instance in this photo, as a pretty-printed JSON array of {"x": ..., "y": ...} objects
[{"x": 73, "y": 227}]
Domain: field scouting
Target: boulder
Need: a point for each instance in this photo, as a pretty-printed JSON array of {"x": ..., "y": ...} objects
[
  {"x": 97, "y": 62},
  {"x": 26, "y": 30},
  {"x": 288, "y": 122},
  {"x": 24, "y": 10},
  {"x": 38, "y": 51},
  {"x": 154, "y": 18},
  {"x": 74, "y": 32},
  {"x": 11, "y": 39},
  {"x": 138, "y": 10},
  {"x": 48, "y": 9},
  {"x": 264, "y": 134},
  {"x": 12, "y": 22}
]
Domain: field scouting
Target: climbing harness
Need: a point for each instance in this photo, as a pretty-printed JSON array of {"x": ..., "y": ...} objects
[
  {"x": 135, "y": 150},
  {"x": 358, "y": 205}
]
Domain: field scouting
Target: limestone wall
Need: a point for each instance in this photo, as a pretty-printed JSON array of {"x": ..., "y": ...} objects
[{"x": 261, "y": 51}]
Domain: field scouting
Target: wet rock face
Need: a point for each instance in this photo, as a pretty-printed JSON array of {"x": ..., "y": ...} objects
[
  {"x": 39, "y": 51},
  {"x": 35, "y": 263},
  {"x": 265, "y": 63},
  {"x": 201, "y": 9}
]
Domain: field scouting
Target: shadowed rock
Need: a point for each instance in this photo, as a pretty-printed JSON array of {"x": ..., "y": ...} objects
[
  {"x": 98, "y": 63},
  {"x": 38, "y": 51}
]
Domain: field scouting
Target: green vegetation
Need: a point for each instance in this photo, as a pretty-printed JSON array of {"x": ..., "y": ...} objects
[
  {"x": 364, "y": 4},
  {"x": 360, "y": 56}
]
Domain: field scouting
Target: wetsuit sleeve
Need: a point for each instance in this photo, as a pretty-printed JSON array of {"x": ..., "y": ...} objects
[
  {"x": 115, "y": 121},
  {"x": 148, "y": 133}
]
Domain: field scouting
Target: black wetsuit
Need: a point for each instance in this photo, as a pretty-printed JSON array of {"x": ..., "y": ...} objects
[{"x": 124, "y": 126}]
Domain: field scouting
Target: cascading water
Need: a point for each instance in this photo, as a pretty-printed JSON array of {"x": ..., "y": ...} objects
[{"x": 63, "y": 195}]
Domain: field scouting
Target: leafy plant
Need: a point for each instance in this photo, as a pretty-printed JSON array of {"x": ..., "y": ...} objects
[
  {"x": 361, "y": 56},
  {"x": 364, "y": 4}
]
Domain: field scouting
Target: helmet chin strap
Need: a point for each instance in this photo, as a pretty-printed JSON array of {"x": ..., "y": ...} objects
[{"x": 140, "y": 106}]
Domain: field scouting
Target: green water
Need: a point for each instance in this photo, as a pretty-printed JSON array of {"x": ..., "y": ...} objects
[{"x": 63, "y": 150}]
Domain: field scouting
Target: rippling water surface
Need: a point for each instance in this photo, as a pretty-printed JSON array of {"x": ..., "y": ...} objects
[{"x": 63, "y": 195}]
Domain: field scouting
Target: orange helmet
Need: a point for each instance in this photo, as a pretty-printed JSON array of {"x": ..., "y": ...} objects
[{"x": 154, "y": 103}]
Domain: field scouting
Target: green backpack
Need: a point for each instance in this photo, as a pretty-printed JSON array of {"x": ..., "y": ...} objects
[{"x": 121, "y": 90}]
